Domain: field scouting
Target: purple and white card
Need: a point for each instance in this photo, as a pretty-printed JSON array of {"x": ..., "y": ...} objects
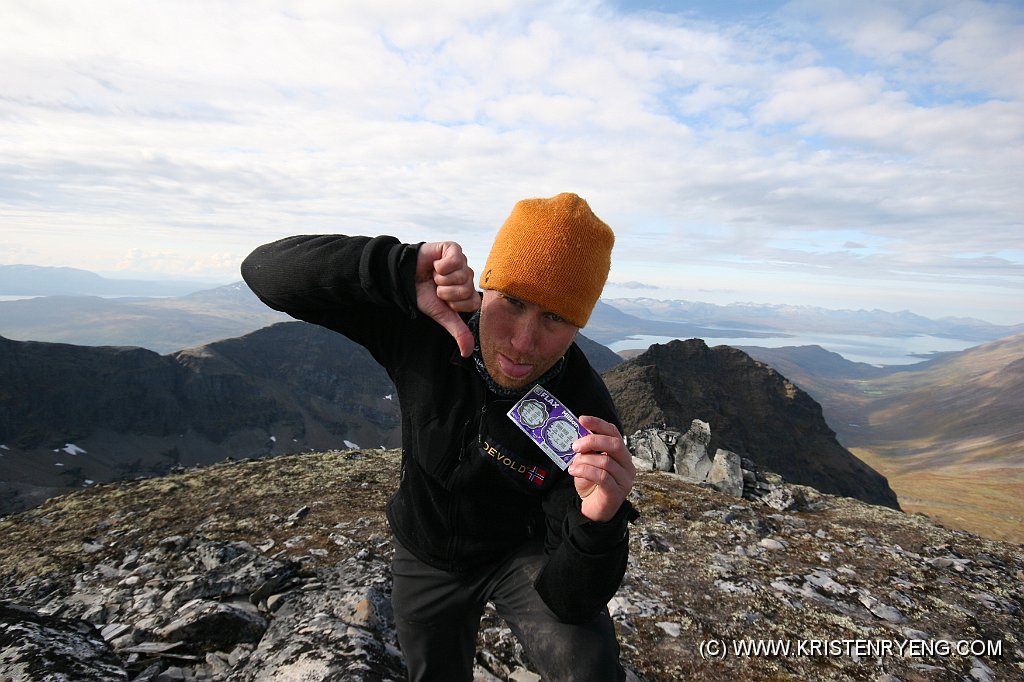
[{"x": 549, "y": 424}]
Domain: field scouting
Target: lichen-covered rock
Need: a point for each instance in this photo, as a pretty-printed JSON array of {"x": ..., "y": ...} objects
[
  {"x": 35, "y": 646},
  {"x": 827, "y": 584},
  {"x": 666, "y": 449},
  {"x": 213, "y": 626},
  {"x": 653, "y": 448},
  {"x": 690, "y": 458},
  {"x": 726, "y": 474},
  {"x": 341, "y": 628}
]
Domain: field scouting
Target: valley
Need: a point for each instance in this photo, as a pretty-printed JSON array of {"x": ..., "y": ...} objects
[
  {"x": 947, "y": 433},
  {"x": 986, "y": 501}
]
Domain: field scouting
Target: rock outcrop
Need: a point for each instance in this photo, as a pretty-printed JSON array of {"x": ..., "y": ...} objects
[
  {"x": 278, "y": 569},
  {"x": 752, "y": 410},
  {"x": 686, "y": 455}
]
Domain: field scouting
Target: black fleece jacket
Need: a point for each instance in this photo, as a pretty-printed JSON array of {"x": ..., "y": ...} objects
[{"x": 473, "y": 487}]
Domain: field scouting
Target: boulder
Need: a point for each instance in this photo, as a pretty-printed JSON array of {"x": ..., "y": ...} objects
[
  {"x": 36, "y": 646},
  {"x": 214, "y": 625},
  {"x": 668, "y": 449},
  {"x": 691, "y": 452},
  {"x": 726, "y": 474}
]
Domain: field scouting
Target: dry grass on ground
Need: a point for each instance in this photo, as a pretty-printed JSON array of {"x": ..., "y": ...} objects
[{"x": 986, "y": 501}]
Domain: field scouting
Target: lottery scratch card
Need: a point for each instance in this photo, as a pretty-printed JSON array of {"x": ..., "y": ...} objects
[{"x": 549, "y": 424}]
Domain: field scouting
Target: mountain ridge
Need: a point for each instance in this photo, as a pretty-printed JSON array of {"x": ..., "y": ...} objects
[
  {"x": 751, "y": 409},
  {"x": 792, "y": 318},
  {"x": 97, "y": 414},
  {"x": 129, "y": 411},
  {"x": 43, "y": 280},
  {"x": 169, "y": 323}
]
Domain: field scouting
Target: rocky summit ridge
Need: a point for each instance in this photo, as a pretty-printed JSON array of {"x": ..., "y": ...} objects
[
  {"x": 751, "y": 409},
  {"x": 278, "y": 569}
]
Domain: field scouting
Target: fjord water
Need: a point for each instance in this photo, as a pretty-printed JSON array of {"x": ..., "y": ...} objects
[{"x": 873, "y": 350}]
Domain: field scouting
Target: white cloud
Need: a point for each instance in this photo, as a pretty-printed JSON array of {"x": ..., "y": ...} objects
[{"x": 186, "y": 133}]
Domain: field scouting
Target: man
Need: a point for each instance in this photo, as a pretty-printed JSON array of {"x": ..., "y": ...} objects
[{"x": 481, "y": 513}]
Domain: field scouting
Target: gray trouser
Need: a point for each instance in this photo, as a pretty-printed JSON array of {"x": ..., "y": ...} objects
[{"x": 437, "y": 615}]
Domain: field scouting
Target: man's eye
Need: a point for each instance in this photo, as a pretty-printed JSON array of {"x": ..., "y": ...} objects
[
  {"x": 555, "y": 317},
  {"x": 514, "y": 301}
]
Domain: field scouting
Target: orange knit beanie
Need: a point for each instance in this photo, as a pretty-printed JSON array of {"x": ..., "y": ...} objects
[{"x": 553, "y": 252}]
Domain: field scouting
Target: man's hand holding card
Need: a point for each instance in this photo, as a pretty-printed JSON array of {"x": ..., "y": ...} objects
[
  {"x": 602, "y": 468},
  {"x": 590, "y": 448}
]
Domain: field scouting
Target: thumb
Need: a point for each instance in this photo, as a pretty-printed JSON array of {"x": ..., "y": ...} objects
[{"x": 450, "y": 320}]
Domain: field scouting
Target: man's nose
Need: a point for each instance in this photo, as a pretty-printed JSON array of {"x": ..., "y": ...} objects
[{"x": 524, "y": 336}]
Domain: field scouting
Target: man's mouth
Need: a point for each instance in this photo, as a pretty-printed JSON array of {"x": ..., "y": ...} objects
[{"x": 516, "y": 370}]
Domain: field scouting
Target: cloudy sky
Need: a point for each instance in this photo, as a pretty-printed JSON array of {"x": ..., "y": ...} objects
[{"x": 841, "y": 154}]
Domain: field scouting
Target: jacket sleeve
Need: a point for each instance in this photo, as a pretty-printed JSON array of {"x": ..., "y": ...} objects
[
  {"x": 360, "y": 286},
  {"x": 586, "y": 568}
]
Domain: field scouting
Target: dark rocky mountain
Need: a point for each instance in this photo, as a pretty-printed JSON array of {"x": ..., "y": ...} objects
[
  {"x": 70, "y": 415},
  {"x": 74, "y": 414},
  {"x": 601, "y": 357},
  {"x": 279, "y": 569},
  {"x": 753, "y": 411}
]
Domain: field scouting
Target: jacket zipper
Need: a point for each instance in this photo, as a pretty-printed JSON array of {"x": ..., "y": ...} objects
[
  {"x": 464, "y": 444},
  {"x": 454, "y": 506}
]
